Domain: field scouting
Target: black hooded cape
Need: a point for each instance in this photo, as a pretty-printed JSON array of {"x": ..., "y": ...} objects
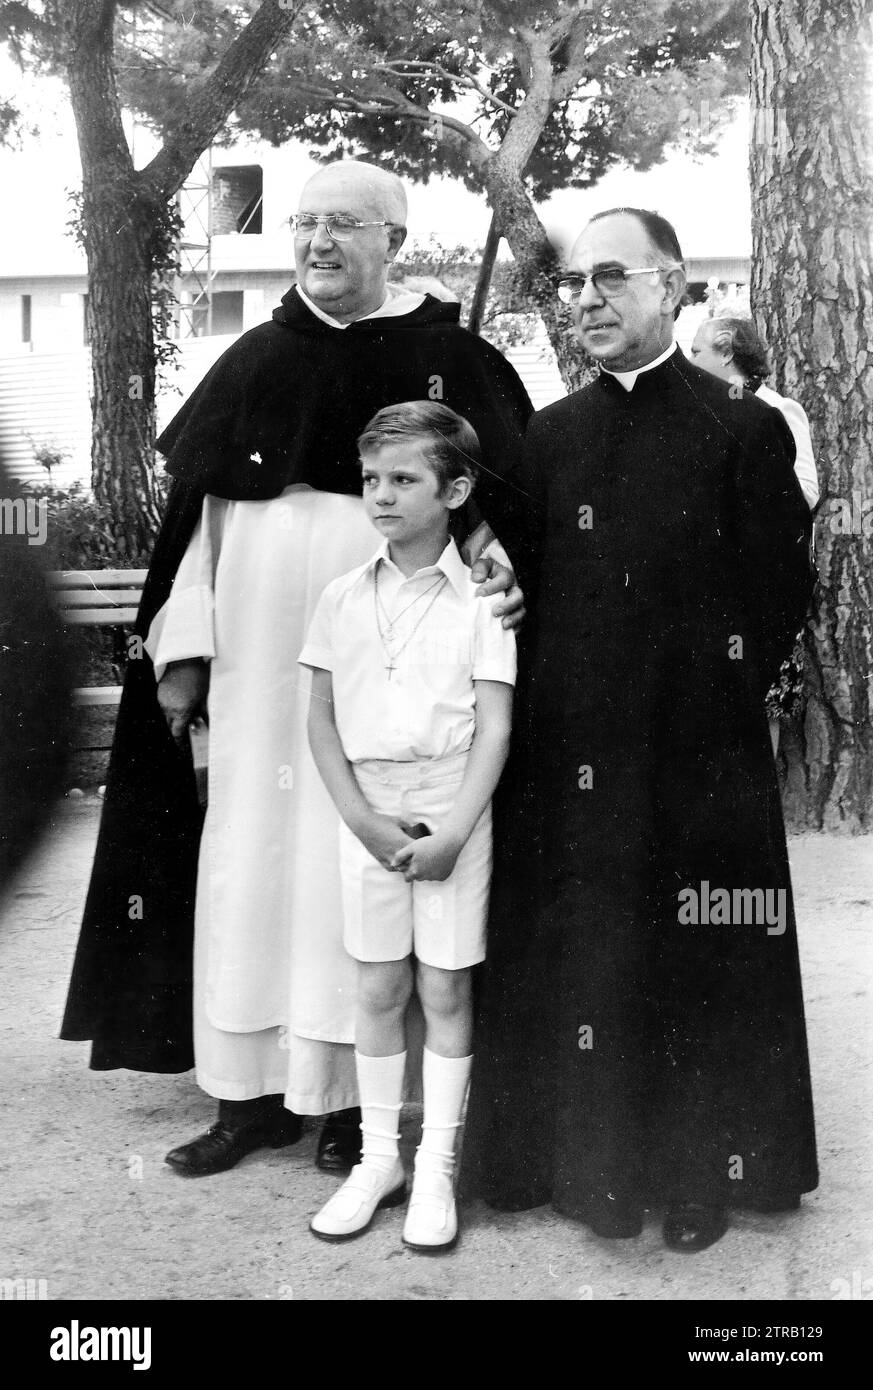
[
  {"x": 283, "y": 405},
  {"x": 620, "y": 1050}
]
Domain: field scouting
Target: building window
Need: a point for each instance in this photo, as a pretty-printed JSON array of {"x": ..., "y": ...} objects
[
  {"x": 227, "y": 311},
  {"x": 238, "y": 200},
  {"x": 26, "y": 314}
]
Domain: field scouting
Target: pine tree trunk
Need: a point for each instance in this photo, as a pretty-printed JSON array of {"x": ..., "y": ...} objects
[
  {"x": 538, "y": 266},
  {"x": 811, "y": 158},
  {"x": 117, "y": 227},
  {"x": 123, "y": 222},
  {"x": 123, "y": 374},
  {"x": 483, "y": 279}
]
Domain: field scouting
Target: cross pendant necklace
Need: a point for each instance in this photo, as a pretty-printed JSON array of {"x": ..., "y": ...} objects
[{"x": 387, "y": 632}]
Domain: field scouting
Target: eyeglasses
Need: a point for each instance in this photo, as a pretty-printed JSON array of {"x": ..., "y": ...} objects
[
  {"x": 338, "y": 225},
  {"x": 610, "y": 283}
]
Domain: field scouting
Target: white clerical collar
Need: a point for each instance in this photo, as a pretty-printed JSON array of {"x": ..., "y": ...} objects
[
  {"x": 450, "y": 564},
  {"x": 628, "y": 379},
  {"x": 397, "y": 301}
]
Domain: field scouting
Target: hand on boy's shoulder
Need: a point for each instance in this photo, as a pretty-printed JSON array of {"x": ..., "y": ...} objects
[
  {"x": 497, "y": 582},
  {"x": 492, "y": 629},
  {"x": 491, "y": 608}
]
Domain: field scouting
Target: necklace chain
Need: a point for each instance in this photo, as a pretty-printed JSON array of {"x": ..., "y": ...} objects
[
  {"x": 391, "y": 623},
  {"x": 438, "y": 585}
]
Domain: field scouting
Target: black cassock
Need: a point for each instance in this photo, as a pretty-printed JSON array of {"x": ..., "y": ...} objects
[
  {"x": 283, "y": 405},
  {"x": 621, "y": 1049}
]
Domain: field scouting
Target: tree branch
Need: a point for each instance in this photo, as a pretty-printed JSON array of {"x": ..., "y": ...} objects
[
  {"x": 83, "y": 37},
  {"x": 17, "y": 19},
  {"x": 521, "y": 54},
  {"x": 576, "y": 63},
  {"x": 524, "y": 132},
  {"x": 399, "y": 107},
  {"x": 403, "y": 68},
  {"x": 487, "y": 94},
  {"x": 215, "y": 99}
]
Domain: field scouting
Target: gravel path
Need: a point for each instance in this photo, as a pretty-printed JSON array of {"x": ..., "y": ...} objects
[{"x": 89, "y": 1206}]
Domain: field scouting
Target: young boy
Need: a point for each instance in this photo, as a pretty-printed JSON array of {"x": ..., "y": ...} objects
[{"x": 410, "y": 712}]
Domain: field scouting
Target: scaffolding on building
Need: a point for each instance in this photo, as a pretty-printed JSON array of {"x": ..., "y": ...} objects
[{"x": 195, "y": 276}]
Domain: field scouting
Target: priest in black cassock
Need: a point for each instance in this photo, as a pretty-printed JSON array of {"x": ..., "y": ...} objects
[
  {"x": 642, "y": 1041},
  {"x": 219, "y": 944}
]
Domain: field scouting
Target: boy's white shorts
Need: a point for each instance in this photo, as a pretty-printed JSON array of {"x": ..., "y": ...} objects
[{"x": 386, "y": 918}]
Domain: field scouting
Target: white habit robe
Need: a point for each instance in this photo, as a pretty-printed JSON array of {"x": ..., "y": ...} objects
[{"x": 274, "y": 990}]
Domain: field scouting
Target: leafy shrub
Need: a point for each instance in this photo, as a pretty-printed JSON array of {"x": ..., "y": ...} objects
[
  {"x": 80, "y": 538},
  {"x": 79, "y": 528}
]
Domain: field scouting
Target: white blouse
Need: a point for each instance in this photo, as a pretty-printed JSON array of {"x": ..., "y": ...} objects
[{"x": 796, "y": 419}]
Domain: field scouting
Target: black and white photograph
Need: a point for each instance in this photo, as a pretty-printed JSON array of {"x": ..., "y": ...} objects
[{"x": 436, "y": 667}]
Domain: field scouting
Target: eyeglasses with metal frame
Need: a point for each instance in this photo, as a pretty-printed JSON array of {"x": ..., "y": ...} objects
[
  {"x": 338, "y": 225},
  {"x": 610, "y": 282}
]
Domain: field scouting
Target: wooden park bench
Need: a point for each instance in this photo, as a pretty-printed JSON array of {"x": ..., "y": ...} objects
[
  {"x": 108, "y": 598},
  {"x": 100, "y": 598}
]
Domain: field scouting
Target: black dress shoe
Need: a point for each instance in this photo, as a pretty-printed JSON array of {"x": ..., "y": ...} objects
[
  {"x": 614, "y": 1218},
  {"x": 241, "y": 1127},
  {"x": 690, "y": 1227},
  {"x": 339, "y": 1144}
]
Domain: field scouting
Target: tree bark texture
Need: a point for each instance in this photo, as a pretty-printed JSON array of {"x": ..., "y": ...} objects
[
  {"x": 116, "y": 227},
  {"x": 538, "y": 264},
  {"x": 483, "y": 279},
  {"x": 123, "y": 226},
  {"x": 811, "y": 164},
  {"x": 517, "y": 216}
]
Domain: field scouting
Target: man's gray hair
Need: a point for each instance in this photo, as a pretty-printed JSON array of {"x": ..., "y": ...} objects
[{"x": 387, "y": 186}]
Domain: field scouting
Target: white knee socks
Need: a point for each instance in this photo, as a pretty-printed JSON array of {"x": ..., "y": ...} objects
[
  {"x": 380, "y": 1085},
  {"x": 445, "y": 1086}
]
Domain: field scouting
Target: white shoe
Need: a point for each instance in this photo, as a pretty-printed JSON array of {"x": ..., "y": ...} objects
[
  {"x": 432, "y": 1219},
  {"x": 351, "y": 1209}
]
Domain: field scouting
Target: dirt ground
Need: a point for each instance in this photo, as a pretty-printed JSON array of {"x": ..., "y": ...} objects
[{"x": 89, "y": 1206}]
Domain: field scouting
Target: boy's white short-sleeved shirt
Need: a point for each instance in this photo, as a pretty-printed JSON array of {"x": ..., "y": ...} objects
[{"x": 408, "y": 693}]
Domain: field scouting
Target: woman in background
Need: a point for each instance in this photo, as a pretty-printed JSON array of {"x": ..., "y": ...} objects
[{"x": 731, "y": 349}]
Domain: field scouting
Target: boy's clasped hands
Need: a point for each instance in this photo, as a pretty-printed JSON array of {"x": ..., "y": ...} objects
[{"x": 428, "y": 857}]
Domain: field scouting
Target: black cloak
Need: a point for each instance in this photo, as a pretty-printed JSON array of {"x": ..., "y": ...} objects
[
  {"x": 621, "y": 1050},
  {"x": 283, "y": 405}
]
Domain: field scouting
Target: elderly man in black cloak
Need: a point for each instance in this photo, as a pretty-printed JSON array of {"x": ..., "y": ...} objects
[
  {"x": 642, "y": 1037},
  {"x": 265, "y": 510}
]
